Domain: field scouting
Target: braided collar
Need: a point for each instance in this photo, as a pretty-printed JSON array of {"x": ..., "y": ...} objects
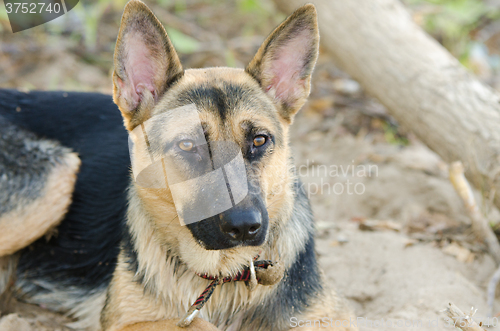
[{"x": 264, "y": 272}]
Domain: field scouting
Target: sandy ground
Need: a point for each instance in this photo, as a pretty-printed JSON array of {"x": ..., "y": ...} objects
[
  {"x": 400, "y": 272},
  {"x": 392, "y": 235}
]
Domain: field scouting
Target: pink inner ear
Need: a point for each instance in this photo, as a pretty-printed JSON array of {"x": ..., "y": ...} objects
[
  {"x": 140, "y": 67},
  {"x": 286, "y": 68}
]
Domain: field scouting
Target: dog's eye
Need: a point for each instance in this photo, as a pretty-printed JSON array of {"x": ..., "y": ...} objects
[
  {"x": 187, "y": 145},
  {"x": 259, "y": 141}
]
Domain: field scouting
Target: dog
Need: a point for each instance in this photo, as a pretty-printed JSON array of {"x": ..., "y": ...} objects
[{"x": 83, "y": 235}]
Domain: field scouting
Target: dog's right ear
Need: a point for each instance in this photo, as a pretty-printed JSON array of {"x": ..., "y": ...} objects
[{"x": 145, "y": 64}]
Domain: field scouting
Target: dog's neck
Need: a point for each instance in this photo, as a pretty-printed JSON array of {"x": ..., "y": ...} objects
[{"x": 164, "y": 275}]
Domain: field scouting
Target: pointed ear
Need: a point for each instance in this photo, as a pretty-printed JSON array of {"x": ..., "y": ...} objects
[
  {"x": 284, "y": 63},
  {"x": 145, "y": 64}
]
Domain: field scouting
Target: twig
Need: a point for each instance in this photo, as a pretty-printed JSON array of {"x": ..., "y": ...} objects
[
  {"x": 8, "y": 265},
  {"x": 490, "y": 293},
  {"x": 462, "y": 321},
  {"x": 480, "y": 225}
]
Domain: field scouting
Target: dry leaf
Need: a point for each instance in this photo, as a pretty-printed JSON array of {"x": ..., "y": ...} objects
[
  {"x": 374, "y": 225},
  {"x": 462, "y": 254}
]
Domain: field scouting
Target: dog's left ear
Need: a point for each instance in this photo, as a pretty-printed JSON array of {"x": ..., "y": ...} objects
[
  {"x": 284, "y": 63},
  {"x": 145, "y": 64}
]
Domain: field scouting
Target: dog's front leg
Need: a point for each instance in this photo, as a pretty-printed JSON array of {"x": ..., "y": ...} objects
[
  {"x": 127, "y": 307},
  {"x": 198, "y": 324}
]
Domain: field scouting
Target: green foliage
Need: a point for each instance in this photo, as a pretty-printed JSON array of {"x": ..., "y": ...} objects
[
  {"x": 91, "y": 15},
  {"x": 392, "y": 136},
  {"x": 179, "y": 6},
  {"x": 164, "y": 3},
  {"x": 4, "y": 19},
  {"x": 257, "y": 13},
  {"x": 230, "y": 58},
  {"x": 249, "y": 6},
  {"x": 3, "y": 14},
  {"x": 453, "y": 21},
  {"x": 182, "y": 42}
]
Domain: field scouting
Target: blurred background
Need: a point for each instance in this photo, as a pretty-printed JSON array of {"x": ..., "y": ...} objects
[
  {"x": 76, "y": 49},
  {"x": 407, "y": 232}
]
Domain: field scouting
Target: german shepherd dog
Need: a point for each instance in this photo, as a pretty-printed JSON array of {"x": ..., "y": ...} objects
[{"x": 80, "y": 235}]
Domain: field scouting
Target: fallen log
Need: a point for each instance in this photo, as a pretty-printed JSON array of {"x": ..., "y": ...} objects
[{"x": 422, "y": 85}]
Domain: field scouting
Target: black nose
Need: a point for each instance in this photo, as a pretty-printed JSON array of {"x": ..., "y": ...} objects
[{"x": 241, "y": 225}]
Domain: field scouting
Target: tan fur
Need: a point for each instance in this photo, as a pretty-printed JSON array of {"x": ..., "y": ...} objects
[
  {"x": 168, "y": 255},
  {"x": 22, "y": 226},
  {"x": 152, "y": 220},
  {"x": 128, "y": 304},
  {"x": 331, "y": 306},
  {"x": 275, "y": 180},
  {"x": 87, "y": 314}
]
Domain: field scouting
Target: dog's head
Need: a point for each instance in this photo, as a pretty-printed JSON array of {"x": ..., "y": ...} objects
[{"x": 249, "y": 110}]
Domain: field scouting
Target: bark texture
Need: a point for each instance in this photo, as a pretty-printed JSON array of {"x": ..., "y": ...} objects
[{"x": 422, "y": 85}]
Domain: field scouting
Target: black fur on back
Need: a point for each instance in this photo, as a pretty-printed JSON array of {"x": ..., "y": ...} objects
[
  {"x": 83, "y": 253},
  {"x": 25, "y": 163}
]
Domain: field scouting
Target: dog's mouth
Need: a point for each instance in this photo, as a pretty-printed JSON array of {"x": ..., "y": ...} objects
[
  {"x": 214, "y": 249},
  {"x": 215, "y": 262},
  {"x": 264, "y": 272},
  {"x": 241, "y": 275}
]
